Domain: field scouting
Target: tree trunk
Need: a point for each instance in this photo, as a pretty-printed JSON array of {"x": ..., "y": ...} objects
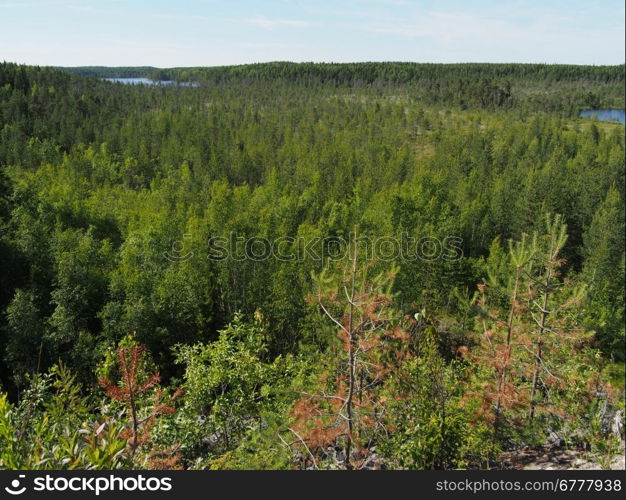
[
  {"x": 539, "y": 350},
  {"x": 509, "y": 335},
  {"x": 352, "y": 367}
]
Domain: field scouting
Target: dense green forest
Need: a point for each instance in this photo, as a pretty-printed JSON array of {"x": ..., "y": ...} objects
[
  {"x": 373, "y": 265},
  {"x": 543, "y": 87}
]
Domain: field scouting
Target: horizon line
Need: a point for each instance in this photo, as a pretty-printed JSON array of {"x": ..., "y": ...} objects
[{"x": 319, "y": 62}]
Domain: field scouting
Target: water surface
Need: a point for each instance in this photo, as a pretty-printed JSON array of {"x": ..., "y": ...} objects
[
  {"x": 148, "y": 81},
  {"x": 604, "y": 115}
]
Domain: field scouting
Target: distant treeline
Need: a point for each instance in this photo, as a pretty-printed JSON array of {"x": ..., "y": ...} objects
[
  {"x": 547, "y": 87},
  {"x": 364, "y": 73},
  {"x": 117, "y": 72}
]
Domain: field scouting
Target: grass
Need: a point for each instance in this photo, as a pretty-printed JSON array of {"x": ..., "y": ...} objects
[{"x": 617, "y": 375}]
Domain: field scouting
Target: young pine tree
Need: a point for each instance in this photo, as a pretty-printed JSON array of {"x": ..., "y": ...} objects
[
  {"x": 144, "y": 400},
  {"x": 539, "y": 363},
  {"x": 347, "y": 411}
]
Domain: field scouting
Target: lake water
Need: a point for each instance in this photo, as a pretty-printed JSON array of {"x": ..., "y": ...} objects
[
  {"x": 604, "y": 115},
  {"x": 147, "y": 81}
]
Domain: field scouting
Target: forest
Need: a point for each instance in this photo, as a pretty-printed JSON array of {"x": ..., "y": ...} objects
[{"x": 310, "y": 266}]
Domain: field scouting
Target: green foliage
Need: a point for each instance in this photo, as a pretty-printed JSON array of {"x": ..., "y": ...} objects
[
  {"x": 53, "y": 428},
  {"x": 433, "y": 425},
  {"x": 231, "y": 388},
  {"x": 259, "y": 449},
  {"x": 604, "y": 268},
  {"x": 112, "y": 198}
]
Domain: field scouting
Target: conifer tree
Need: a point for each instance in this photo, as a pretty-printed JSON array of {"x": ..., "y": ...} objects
[{"x": 349, "y": 408}]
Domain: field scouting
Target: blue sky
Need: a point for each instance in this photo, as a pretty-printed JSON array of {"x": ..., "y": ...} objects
[{"x": 218, "y": 32}]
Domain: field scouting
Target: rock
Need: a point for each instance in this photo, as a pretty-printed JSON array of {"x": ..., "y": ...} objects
[
  {"x": 548, "y": 458},
  {"x": 617, "y": 425},
  {"x": 553, "y": 440},
  {"x": 618, "y": 463}
]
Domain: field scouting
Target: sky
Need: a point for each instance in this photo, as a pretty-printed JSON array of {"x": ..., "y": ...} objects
[{"x": 222, "y": 32}]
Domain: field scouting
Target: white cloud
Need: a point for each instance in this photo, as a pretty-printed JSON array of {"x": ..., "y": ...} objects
[
  {"x": 270, "y": 24},
  {"x": 530, "y": 27}
]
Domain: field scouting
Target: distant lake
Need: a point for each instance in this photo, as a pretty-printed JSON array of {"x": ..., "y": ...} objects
[
  {"x": 604, "y": 115},
  {"x": 147, "y": 81}
]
